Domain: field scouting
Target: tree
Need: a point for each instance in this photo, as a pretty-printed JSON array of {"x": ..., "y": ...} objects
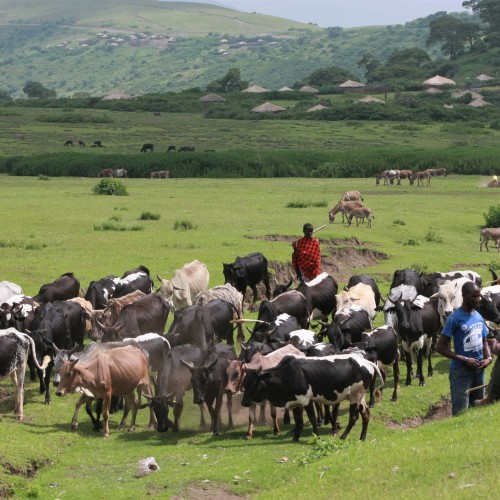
[
  {"x": 414, "y": 56},
  {"x": 35, "y": 90},
  {"x": 488, "y": 10},
  {"x": 329, "y": 76},
  {"x": 447, "y": 31},
  {"x": 231, "y": 81},
  {"x": 471, "y": 32},
  {"x": 334, "y": 32},
  {"x": 370, "y": 62}
]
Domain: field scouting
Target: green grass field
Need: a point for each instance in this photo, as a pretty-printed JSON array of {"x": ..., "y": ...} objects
[{"x": 49, "y": 229}]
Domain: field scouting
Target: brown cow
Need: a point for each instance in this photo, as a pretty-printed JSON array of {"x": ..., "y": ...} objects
[
  {"x": 117, "y": 371},
  {"x": 110, "y": 313},
  {"x": 487, "y": 234},
  {"x": 160, "y": 174},
  {"x": 404, "y": 174},
  {"x": 420, "y": 176},
  {"x": 107, "y": 172},
  {"x": 345, "y": 207}
]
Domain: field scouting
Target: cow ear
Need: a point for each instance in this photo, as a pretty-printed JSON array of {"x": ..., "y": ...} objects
[{"x": 74, "y": 362}]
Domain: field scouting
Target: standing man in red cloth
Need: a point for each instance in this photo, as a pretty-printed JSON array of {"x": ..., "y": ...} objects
[{"x": 306, "y": 255}]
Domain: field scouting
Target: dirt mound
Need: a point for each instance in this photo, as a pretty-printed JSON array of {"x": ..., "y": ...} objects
[
  {"x": 339, "y": 257},
  {"x": 437, "y": 412}
]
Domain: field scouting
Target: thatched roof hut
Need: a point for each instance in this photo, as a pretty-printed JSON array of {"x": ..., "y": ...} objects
[
  {"x": 351, "y": 86},
  {"x": 308, "y": 89},
  {"x": 484, "y": 78},
  {"x": 370, "y": 99},
  {"x": 478, "y": 103},
  {"x": 473, "y": 94},
  {"x": 256, "y": 89},
  {"x": 212, "y": 98},
  {"x": 118, "y": 95},
  {"x": 432, "y": 90},
  {"x": 438, "y": 81},
  {"x": 268, "y": 107},
  {"x": 285, "y": 89},
  {"x": 318, "y": 107}
]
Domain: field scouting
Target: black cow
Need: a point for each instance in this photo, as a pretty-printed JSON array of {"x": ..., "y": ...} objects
[
  {"x": 148, "y": 314},
  {"x": 209, "y": 380},
  {"x": 291, "y": 302},
  {"x": 319, "y": 294},
  {"x": 381, "y": 346},
  {"x": 186, "y": 148},
  {"x": 99, "y": 292},
  {"x": 81, "y": 144},
  {"x": 63, "y": 288},
  {"x": 174, "y": 379},
  {"x": 69, "y": 142},
  {"x": 147, "y": 147},
  {"x": 277, "y": 332},
  {"x": 416, "y": 320},
  {"x": 248, "y": 271},
  {"x": 347, "y": 327},
  {"x": 489, "y": 304},
  {"x": 171, "y": 148},
  {"x": 14, "y": 348},
  {"x": 367, "y": 280},
  {"x": 59, "y": 323},
  {"x": 297, "y": 382},
  {"x": 97, "y": 144},
  {"x": 135, "y": 279},
  {"x": 200, "y": 325},
  {"x": 407, "y": 276}
]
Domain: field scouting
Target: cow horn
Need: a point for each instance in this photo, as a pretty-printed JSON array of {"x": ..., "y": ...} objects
[
  {"x": 245, "y": 320},
  {"x": 56, "y": 349},
  {"x": 159, "y": 278},
  {"x": 188, "y": 364},
  {"x": 395, "y": 300},
  {"x": 148, "y": 397},
  {"x": 243, "y": 346}
]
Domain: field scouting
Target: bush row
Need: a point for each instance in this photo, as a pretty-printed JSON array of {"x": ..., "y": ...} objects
[{"x": 365, "y": 163}]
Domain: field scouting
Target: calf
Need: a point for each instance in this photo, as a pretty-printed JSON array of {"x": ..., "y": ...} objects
[
  {"x": 147, "y": 147},
  {"x": 14, "y": 347},
  {"x": 99, "y": 292},
  {"x": 487, "y": 234},
  {"x": 117, "y": 371},
  {"x": 361, "y": 213},
  {"x": 329, "y": 380}
]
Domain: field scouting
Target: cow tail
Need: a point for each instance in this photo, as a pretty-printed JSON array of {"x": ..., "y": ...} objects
[
  {"x": 377, "y": 372},
  {"x": 33, "y": 351}
]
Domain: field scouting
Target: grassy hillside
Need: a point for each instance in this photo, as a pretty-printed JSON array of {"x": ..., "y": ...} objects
[{"x": 161, "y": 46}]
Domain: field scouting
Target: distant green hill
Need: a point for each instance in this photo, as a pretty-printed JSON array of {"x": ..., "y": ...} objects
[{"x": 149, "y": 46}]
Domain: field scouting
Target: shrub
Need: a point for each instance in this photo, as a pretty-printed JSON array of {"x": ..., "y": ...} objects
[
  {"x": 399, "y": 222},
  {"x": 149, "y": 216},
  {"x": 492, "y": 218},
  {"x": 183, "y": 225},
  {"x": 110, "y": 187},
  {"x": 306, "y": 204},
  {"x": 432, "y": 237}
]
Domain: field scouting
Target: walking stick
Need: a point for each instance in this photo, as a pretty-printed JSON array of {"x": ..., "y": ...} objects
[{"x": 473, "y": 389}]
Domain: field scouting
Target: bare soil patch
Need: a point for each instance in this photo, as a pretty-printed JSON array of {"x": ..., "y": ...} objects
[
  {"x": 208, "y": 490},
  {"x": 437, "y": 412}
]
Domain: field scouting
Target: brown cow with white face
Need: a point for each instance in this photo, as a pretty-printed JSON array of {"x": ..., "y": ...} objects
[{"x": 117, "y": 371}]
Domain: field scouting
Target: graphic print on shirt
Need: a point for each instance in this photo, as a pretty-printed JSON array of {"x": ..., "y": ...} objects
[{"x": 473, "y": 341}]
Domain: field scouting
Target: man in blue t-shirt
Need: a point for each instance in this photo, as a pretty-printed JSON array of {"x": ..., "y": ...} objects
[{"x": 472, "y": 353}]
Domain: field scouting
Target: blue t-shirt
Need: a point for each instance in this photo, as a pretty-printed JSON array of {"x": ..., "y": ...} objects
[{"x": 468, "y": 332}]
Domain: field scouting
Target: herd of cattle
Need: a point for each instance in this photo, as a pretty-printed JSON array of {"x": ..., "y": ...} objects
[{"x": 310, "y": 348}]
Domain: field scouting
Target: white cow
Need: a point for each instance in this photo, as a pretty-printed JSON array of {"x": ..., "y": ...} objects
[
  {"x": 360, "y": 295},
  {"x": 487, "y": 234},
  {"x": 185, "y": 284},
  {"x": 449, "y": 297},
  {"x": 8, "y": 290}
]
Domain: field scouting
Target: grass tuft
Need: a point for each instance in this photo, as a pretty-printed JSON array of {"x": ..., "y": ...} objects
[
  {"x": 184, "y": 225},
  {"x": 149, "y": 216}
]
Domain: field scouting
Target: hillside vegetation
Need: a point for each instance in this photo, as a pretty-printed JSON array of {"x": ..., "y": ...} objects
[{"x": 160, "y": 46}]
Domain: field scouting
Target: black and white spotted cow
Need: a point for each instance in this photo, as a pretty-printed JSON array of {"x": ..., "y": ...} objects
[
  {"x": 14, "y": 348},
  {"x": 329, "y": 380}
]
